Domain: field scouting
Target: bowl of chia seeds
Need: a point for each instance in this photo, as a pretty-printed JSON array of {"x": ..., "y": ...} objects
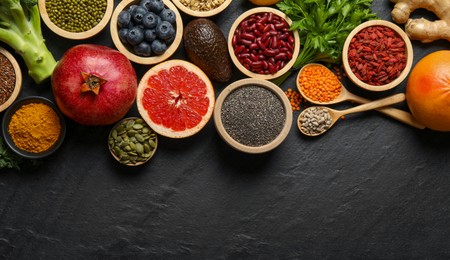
[
  {"x": 202, "y": 8},
  {"x": 146, "y": 31},
  {"x": 253, "y": 115},
  {"x": 76, "y": 20},
  {"x": 10, "y": 79}
]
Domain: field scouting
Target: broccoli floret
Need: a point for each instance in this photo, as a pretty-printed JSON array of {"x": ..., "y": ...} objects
[{"x": 20, "y": 28}]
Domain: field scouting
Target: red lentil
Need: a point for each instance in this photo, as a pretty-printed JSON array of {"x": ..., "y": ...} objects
[
  {"x": 377, "y": 55},
  {"x": 295, "y": 99},
  {"x": 7, "y": 79},
  {"x": 319, "y": 83},
  {"x": 263, "y": 43}
]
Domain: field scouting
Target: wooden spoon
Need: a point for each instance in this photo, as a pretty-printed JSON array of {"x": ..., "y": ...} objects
[
  {"x": 324, "y": 118},
  {"x": 346, "y": 95}
]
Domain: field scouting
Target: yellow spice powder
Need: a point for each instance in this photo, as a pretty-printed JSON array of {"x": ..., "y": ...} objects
[{"x": 34, "y": 127}]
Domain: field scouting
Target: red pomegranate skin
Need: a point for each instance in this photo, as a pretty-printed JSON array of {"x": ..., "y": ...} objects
[{"x": 115, "y": 97}]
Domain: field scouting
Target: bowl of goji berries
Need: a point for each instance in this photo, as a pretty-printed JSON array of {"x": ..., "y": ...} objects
[
  {"x": 377, "y": 55},
  {"x": 261, "y": 45}
]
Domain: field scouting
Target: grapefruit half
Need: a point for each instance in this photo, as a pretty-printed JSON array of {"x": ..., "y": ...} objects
[{"x": 175, "y": 98}]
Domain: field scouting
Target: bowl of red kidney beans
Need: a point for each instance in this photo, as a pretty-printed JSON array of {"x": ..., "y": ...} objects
[
  {"x": 377, "y": 55},
  {"x": 261, "y": 45}
]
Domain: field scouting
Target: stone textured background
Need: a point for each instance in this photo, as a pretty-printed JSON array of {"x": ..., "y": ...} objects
[{"x": 370, "y": 188}]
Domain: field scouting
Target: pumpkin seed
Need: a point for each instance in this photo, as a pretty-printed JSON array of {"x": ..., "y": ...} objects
[
  {"x": 139, "y": 148},
  {"x": 139, "y": 138},
  {"x": 151, "y": 143},
  {"x": 137, "y": 126}
]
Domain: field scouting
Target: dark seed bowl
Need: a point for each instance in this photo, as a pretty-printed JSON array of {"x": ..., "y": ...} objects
[
  {"x": 114, "y": 143},
  {"x": 126, "y": 50},
  {"x": 16, "y": 106},
  {"x": 376, "y": 58},
  {"x": 272, "y": 135}
]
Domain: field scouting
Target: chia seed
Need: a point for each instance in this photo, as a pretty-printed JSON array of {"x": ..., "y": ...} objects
[
  {"x": 7, "y": 79},
  {"x": 253, "y": 115}
]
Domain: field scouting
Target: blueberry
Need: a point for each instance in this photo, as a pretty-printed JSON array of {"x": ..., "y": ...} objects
[
  {"x": 123, "y": 33},
  {"x": 158, "y": 47},
  {"x": 138, "y": 14},
  {"x": 151, "y": 20},
  {"x": 132, "y": 8},
  {"x": 150, "y": 35},
  {"x": 155, "y": 6},
  {"x": 168, "y": 15},
  {"x": 123, "y": 19},
  {"x": 165, "y": 30},
  {"x": 169, "y": 41},
  {"x": 143, "y": 49},
  {"x": 135, "y": 36}
]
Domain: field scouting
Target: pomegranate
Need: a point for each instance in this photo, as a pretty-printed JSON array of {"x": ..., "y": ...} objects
[{"x": 94, "y": 84}]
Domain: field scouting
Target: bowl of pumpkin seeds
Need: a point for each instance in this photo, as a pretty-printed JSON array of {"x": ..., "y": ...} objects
[{"x": 132, "y": 142}]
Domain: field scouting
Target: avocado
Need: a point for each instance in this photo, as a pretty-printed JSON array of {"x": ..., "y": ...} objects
[{"x": 206, "y": 47}]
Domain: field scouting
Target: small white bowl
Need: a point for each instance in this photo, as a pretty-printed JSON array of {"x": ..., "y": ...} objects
[
  {"x": 259, "y": 83},
  {"x": 136, "y": 58},
  {"x": 76, "y": 35},
  {"x": 409, "y": 56},
  {"x": 195, "y": 13},
  {"x": 18, "y": 84},
  {"x": 239, "y": 65}
]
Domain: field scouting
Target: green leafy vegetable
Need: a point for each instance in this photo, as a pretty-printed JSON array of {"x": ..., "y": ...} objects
[
  {"x": 323, "y": 27},
  {"x": 7, "y": 158},
  {"x": 20, "y": 28}
]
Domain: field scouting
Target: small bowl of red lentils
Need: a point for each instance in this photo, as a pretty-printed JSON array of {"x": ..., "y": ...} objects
[
  {"x": 76, "y": 20},
  {"x": 377, "y": 55},
  {"x": 10, "y": 79},
  {"x": 146, "y": 31},
  {"x": 261, "y": 44},
  {"x": 201, "y": 8}
]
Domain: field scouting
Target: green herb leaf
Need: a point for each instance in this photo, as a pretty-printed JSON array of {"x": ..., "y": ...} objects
[{"x": 323, "y": 26}]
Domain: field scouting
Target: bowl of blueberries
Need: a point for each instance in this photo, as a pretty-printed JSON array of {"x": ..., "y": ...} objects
[{"x": 146, "y": 31}]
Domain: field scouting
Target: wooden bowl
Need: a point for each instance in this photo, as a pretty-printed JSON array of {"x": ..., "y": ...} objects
[
  {"x": 136, "y": 58},
  {"x": 238, "y": 64},
  {"x": 259, "y": 83},
  {"x": 194, "y": 13},
  {"x": 16, "y": 106},
  {"x": 76, "y": 35},
  {"x": 111, "y": 143},
  {"x": 18, "y": 85},
  {"x": 408, "y": 54}
]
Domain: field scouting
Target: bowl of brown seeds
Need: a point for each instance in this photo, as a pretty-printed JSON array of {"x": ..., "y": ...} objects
[
  {"x": 202, "y": 8},
  {"x": 132, "y": 142},
  {"x": 10, "y": 79},
  {"x": 76, "y": 20}
]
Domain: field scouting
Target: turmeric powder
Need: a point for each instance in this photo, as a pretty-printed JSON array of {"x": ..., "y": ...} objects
[{"x": 34, "y": 127}]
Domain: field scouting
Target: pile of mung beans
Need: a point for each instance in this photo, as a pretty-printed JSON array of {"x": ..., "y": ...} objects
[{"x": 76, "y": 15}]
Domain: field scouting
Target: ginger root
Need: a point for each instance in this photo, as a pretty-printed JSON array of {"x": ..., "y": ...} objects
[{"x": 422, "y": 29}]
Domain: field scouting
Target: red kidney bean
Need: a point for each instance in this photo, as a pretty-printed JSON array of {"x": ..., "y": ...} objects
[
  {"x": 377, "y": 55},
  {"x": 263, "y": 43}
]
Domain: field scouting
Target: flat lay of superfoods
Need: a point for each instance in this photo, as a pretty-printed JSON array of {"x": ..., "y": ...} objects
[{"x": 319, "y": 43}]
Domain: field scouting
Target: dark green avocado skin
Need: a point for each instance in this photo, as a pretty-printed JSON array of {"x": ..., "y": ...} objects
[{"x": 206, "y": 47}]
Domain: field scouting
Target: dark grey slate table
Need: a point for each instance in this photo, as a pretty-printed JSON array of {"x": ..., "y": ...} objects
[{"x": 370, "y": 188}]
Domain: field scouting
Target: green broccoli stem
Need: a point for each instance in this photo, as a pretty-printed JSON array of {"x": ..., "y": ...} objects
[
  {"x": 20, "y": 28},
  {"x": 39, "y": 61}
]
